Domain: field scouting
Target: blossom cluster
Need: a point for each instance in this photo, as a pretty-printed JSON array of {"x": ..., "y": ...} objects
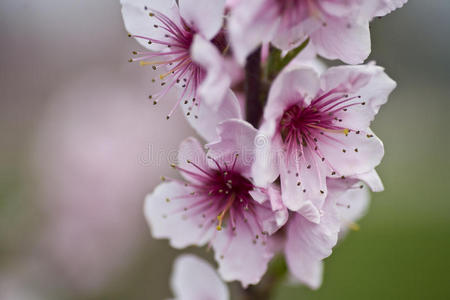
[{"x": 288, "y": 154}]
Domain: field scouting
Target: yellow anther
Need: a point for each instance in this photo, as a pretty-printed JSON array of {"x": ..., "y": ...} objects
[
  {"x": 353, "y": 226},
  {"x": 146, "y": 63},
  {"x": 162, "y": 76},
  {"x": 224, "y": 212}
]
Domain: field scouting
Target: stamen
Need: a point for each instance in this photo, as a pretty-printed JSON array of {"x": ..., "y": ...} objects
[
  {"x": 344, "y": 131},
  {"x": 225, "y": 210}
]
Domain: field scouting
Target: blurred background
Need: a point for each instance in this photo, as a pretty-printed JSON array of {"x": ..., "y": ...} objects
[{"x": 81, "y": 146}]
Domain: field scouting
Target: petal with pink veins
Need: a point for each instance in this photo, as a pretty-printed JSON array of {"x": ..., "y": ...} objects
[
  {"x": 167, "y": 214},
  {"x": 136, "y": 18}
]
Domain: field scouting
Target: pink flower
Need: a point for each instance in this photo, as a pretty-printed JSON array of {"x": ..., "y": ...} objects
[
  {"x": 194, "y": 279},
  {"x": 185, "y": 39},
  {"x": 337, "y": 29},
  {"x": 308, "y": 243},
  {"x": 219, "y": 204},
  {"x": 318, "y": 127}
]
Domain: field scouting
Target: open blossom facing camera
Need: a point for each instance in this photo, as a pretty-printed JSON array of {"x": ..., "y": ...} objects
[
  {"x": 185, "y": 40},
  {"x": 337, "y": 29},
  {"x": 219, "y": 204},
  {"x": 318, "y": 127}
]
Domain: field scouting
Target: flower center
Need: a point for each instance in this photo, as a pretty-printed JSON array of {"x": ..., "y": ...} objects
[
  {"x": 223, "y": 192},
  {"x": 302, "y": 126}
]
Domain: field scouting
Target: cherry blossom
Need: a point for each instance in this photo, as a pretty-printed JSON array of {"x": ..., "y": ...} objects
[
  {"x": 194, "y": 279},
  {"x": 337, "y": 29},
  {"x": 186, "y": 41},
  {"x": 218, "y": 204},
  {"x": 318, "y": 127}
]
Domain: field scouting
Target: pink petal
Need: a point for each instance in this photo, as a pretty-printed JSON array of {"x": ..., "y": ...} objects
[
  {"x": 138, "y": 22},
  {"x": 288, "y": 37},
  {"x": 194, "y": 279},
  {"x": 207, "y": 118},
  {"x": 372, "y": 179},
  {"x": 167, "y": 218},
  {"x": 250, "y": 25},
  {"x": 265, "y": 166},
  {"x": 191, "y": 150},
  {"x": 236, "y": 137},
  {"x": 206, "y": 16},
  {"x": 352, "y": 205},
  {"x": 339, "y": 39},
  {"x": 355, "y": 153},
  {"x": 214, "y": 87},
  {"x": 369, "y": 81},
  {"x": 290, "y": 88},
  {"x": 309, "y": 243},
  {"x": 241, "y": 257},
  {"x": 303, "y": 181},
  {"x": 340, "y": 8},
  {"x": 385, "y": 7}
]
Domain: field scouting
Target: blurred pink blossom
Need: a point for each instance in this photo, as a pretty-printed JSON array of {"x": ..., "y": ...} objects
[{"x": 93, "y": 165}]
